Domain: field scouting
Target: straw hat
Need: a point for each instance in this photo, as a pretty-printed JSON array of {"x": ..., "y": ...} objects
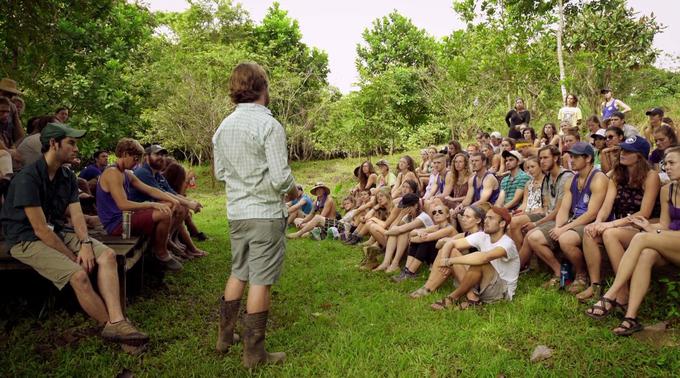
[
  {"x": 318, "y": 186},
  {"x": 9, "y": 85}
]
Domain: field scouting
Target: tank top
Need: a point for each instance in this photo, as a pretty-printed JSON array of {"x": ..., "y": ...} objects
[
  {"x": 608, "y": 110},
  {"x": 673, "y": 212},
  {"x": 580, "y": 199},
  {"x": 107, "y": 210},
  {"x": 534, "y": 200},
  {"x": 629, "y": 200},
  {"x": 478, "y": 189}
]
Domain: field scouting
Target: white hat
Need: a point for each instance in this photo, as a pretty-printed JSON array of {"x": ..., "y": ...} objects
[{"x": 496, "y": 134}]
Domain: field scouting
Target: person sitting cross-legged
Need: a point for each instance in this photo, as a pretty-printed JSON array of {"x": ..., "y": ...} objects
[
  {"x": 324, "y": 209},
  {"x": 148, "y": 218},
  {"x": 300, "y": 206},
  {"x": 491, "y": 273},
  {"x": 33, "y": 220},
  {"x": 658, "y": 245}
]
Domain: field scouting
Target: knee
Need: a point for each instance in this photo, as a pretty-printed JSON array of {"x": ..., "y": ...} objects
[
  {"x": 534, "y": 238},
  {"x": 641, "y": 237},
  {"x": 80, "y": 281},
  {"x": 648, "y": 257},
  {"x": 107, "y": 258}
]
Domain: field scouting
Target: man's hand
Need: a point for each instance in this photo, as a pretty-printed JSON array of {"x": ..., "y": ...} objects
[
  {"x": 163, "y": 208},
  {"x": 195, "y": 206},
  {"x": 556, "y": 232},
  {"x": 86, "y": 257},
  {"x": 528, "y": 227}
]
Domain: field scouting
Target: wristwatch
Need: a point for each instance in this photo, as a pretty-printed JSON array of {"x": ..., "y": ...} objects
[{"x": 87, "y": 240}]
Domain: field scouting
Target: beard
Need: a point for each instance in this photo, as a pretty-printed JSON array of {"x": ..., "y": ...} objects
[{"x": 156, "y": 164}]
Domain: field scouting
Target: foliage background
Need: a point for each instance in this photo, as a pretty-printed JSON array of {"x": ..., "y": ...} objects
[{"x": 162, "y": 77}]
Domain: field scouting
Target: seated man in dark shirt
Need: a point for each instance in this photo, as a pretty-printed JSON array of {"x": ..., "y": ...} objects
[
  {"x": 33, "y": 219},
  {"x": 150, "y": 173},
  {"x": 92, "y": 172}
]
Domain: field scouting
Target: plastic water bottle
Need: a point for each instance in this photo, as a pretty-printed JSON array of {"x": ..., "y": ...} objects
[{"x": 565, "y": 272}]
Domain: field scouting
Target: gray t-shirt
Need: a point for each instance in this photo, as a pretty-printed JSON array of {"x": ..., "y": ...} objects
[{"x": 552, "y": 192}]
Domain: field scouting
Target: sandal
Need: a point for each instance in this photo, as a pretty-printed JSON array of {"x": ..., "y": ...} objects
[
  {"x": 601, "y": 305},
  {"x": 552, "y": 283},
  {"x": 594, "y": 291},
  {"x": 577, "y": 286},
  {"x": 444, "y": 303},
  {"x": 628, "y": 326},
  {"x": 422, "y": 292},
  {"x": 468, "y": 303}
]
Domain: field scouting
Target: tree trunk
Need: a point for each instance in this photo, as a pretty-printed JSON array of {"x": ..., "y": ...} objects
[{"x": 560, "y": 60}]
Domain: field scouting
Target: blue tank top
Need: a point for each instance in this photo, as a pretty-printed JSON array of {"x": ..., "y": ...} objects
[
  {"x": 608, "y": 110},
  {"x": 307, "y": 207},
  {"x": 478, "y": 190},
  {"x": 107, "y": 210},
  {"x": 673, "y": 212},
  {"x": 580, "y": 199}
]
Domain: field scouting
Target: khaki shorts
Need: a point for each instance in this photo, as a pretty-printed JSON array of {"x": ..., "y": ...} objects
[
  {"x": 496, "y": 290},
  {"x": 49, "y": 262},
  {"x": 535, "y": 217},
  {"x": 546, "y": 227},
  {"x": 258, "y": 247}
]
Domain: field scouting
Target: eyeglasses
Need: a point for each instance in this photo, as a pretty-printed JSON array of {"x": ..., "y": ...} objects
[
  {"x": 610, "y": 137},
  {"x": 435, "y": 212}
]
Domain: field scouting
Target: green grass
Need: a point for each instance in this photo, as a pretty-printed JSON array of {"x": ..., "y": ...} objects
[{"x": 333, "y": 320}]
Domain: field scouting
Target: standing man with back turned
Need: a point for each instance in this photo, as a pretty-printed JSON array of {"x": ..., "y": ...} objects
[{"x": 252, "y": 159}]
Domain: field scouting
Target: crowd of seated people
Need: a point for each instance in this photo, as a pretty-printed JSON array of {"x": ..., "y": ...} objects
[
  {"x": 51, "y": 217},
  {"x": 580, "y": 195}
]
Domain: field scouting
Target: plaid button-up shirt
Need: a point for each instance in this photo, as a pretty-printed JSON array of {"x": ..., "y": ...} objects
[{"x": 251, "y": 157}]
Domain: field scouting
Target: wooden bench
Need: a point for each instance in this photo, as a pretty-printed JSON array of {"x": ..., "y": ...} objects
[{"x": 129, "y": 256}]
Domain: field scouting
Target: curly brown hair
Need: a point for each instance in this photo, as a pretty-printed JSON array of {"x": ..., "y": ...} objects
[
  {"x": 129, "y": 146},
  {"x": 247, "y": 82}
]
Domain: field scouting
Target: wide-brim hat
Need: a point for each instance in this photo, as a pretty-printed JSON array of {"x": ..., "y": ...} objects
[
  {"x": 319, "y": 185},
  {"x": 356, "y": 171},
  {"x": 9, "y": 85}
]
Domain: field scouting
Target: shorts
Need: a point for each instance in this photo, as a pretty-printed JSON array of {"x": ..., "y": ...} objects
[
  {"x": 496, "y": 290},
  {"x": 258, "y": 247},
  {"x": 534, "y": 217},
  {"x": 49, "y": 262},
  {"x": 425, "y": 252},
  {"x": 546, "y": 227},
  {"x": 579, "y": 230},
  {"x": 141, "y": 222}
]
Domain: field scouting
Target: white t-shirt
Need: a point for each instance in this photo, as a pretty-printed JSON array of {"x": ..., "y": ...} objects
[
  {"x": 570, "y": 114},
  {"x": 427, "y": 221},
  {"x": 506, "y": 267}
]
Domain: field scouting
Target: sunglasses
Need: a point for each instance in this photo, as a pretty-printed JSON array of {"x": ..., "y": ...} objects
[
  {"x": 435, "y": 212},
  {"x": 610, "y": 137}
]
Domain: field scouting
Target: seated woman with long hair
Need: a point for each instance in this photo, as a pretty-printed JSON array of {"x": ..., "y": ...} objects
[
  {"x": 410, "y": 218},
  {"x": 549, "y": 135},
  {"x": 324, "y": 208},
  {"x": 377, "y": 214},
  {"x": 471, "y": 221},
  {"x": 609, "y": 156},
  {"x": 406, "y": 171},
  {"x": 493, "y": 160},
  {"x": 423, "y": 241},
  {"x": 658, "y": 245},
  {"x": 456, "y": 185},
  {"x": 366, "y": 175},
  {"x": 529, "y": 135},
  {"x": 664, "y": 137},
  {"x": 632, "y": 192}
]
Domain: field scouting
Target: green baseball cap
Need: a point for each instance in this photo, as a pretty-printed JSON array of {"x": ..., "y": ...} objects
[{"x": 58, "y": 130}]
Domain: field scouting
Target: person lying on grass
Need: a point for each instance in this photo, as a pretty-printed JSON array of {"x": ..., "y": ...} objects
[
  {"x": 656, "y": 246},
  {"x": 324, "y": 208},
  {"x": 472, "y": 221},
  {"x": 423, "y": 241},
  {"x": 486, "y": 276},
  {"x": 633, "y": 190},
  {"x": 398, "y": 235},
  {"x": 299, "y": 207}
]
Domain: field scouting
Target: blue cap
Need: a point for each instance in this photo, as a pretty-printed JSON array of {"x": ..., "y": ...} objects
[
  {"x": 582, "y": 148},
  {"x": 636, "y": 144}
]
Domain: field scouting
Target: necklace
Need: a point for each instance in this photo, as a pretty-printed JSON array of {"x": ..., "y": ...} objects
[{"x": 585, "y": 179}]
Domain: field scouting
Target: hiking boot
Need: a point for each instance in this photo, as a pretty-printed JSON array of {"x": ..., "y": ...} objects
[
  {"x": 405, "y": 275},
  {"x": 125, "y": 333},
  {"x": 354, "y": 239},
  {"x": 228, "y": 316},
  {"x": 370, "y": 260},
  {"x": 254, "y": 354},
  {"x": 172, "y": 265}
]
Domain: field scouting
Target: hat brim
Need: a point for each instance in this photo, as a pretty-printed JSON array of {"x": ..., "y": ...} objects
[
  {"x": 630, "y": 148},
  {"x": 11, "y": 90},
  {"x": 160, "y": 151},
  {"x": 356, "y": 171},
  {"x": 314, "y": 189},
  {"x": 594, "y": 136},
  {"x": 75, "y": 133}
]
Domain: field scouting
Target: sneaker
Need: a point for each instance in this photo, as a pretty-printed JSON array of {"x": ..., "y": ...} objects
[
  {"x": 171, "y": 265},
  {"x": 124, "y": 332},
  {"x": 405, "y": 275}
]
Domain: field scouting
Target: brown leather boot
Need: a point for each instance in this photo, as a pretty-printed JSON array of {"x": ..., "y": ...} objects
[
  {"x": 254, "y": 326},
  {"x": 228, "y": 316}
]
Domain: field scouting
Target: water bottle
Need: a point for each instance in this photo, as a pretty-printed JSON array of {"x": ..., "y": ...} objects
[
  {"x": 316, "y": 233},
  {"x": 565, "y": 272},
  {"x": 334, "y": 232}
]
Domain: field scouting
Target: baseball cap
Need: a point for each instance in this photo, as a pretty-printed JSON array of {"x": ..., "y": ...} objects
[
  {"x": 512, "y": 153},
  {"x": 383, "y": 162},
  {"x": 600, "y": 133},
  {"x": 605, "y": 90},
  {"x": 58, "y": 130},
  {"x": 636, "y": 144},
  {"x": 582, "y": 148},
  {"x": 496, "y": 134},
  {"x": 503, "y": 212},
  {"x": 155, "y": 149},
  {"x": 408, "y": 200},
  {"x": 654, "y": 112}
]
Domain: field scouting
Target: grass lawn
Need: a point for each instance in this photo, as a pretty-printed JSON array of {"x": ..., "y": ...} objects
[{"x": 332, "y": 320}]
